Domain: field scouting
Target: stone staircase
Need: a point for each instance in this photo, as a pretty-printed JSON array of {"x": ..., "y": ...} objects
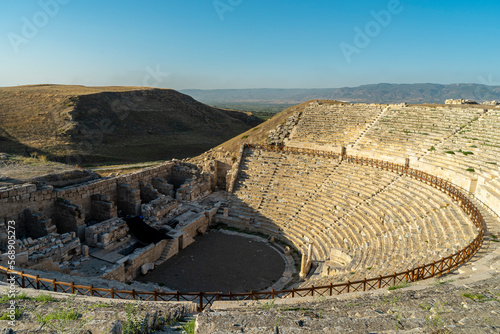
[
  {"x": 165, "y": 254},
  {"x": 380, "y": 114},
  {"x": 270, "y": 185}
]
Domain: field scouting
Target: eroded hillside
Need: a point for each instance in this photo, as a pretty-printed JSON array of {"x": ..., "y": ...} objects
[
  {"x": 80, "y": 125},
  {"x": 258, "y": 135}
]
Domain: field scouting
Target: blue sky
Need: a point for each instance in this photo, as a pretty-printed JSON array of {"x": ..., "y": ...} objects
[{"x": 210, "y": 44}]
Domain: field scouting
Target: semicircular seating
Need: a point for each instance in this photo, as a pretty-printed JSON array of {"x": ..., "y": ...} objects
[{"x": 383, "y": 221}]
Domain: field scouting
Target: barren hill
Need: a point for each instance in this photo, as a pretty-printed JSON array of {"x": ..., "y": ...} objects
[
  {"x": 258, "y": 135},
  {"x": 78, "y": 124}
]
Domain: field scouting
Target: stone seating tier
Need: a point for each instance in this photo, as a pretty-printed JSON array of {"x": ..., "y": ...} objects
[{"x": 384, "y": 221}]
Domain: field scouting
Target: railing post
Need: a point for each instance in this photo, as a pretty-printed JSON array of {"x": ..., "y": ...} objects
[
  {"x": 37, "y": 279},
  {"x": 312, "y": 290},
  {"x": 200, "y": 307},
  {"x": 433, "y": 265},
  {"x": 364, "y": 285},
  {"x": 55, "y": 285},
  {"x": 348, "y": 285},
  {"x": 394, "y": 280},
  {"x": 156, "y": 296},
  {"x": 23, "y": 284},
  {"x": 272, "y": 294},
  {"x": 91, "y": 288},
  {"x": 331, "y": 289},
  {"x": 72, "y": 287},
  {"x": 133, "y": 294},
  {"x": 379, "y": 281},
  {"x": 293, "y": 292},
  {"x": 112, "y": 293},
  {"x": 178, "y": 295},
  {"x": 251, "y": 295},
  {"x": 407, "y": 275}
]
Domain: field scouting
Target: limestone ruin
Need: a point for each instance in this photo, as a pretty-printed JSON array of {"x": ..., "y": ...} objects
[
  {"x": 72, "y": 228},
  {"x": 348, "y": 221}
]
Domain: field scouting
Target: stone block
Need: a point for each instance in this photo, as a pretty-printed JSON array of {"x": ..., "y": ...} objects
[{"x": 147, "y": 267}]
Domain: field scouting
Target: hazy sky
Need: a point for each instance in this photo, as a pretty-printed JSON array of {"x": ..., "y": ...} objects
[{"x": 248, "y": 43}]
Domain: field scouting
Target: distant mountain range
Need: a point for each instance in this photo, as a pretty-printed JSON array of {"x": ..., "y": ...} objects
[{"x": 376, "y": 93}]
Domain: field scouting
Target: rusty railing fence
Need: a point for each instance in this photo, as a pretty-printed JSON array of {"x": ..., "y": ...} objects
[{"x": 436, "y": 268}]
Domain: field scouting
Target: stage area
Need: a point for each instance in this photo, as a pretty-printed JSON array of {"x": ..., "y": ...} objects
[{"x": 220, "y": 262}]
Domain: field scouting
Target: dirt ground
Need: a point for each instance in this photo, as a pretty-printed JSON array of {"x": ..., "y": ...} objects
[{"x": 220, "y": 262}]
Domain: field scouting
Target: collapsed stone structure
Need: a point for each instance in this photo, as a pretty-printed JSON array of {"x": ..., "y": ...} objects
[
  {"x": 459, "y": 101},
  {"x": 282, "y": 132},
  {"x": 491, "y": 103},
  {"x": 73, "y": 228}
]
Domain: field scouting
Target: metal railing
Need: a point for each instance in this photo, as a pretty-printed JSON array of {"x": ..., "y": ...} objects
[{"x": 436, "y": 268}]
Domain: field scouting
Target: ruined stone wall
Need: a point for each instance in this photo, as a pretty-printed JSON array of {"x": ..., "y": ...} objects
[
  {"x": 102, "y": 208},
  {"x": 220, "y": 170},
  {"x": 283, "y": 131},
  {"x": 128, "y": 199},
  {"x": 103, "y": 234},
  {"x": 13, "y": 201},
  {"x": 70, "y": 218},
  {"x": 131, "y": 268},
  {"x": 45, "y": 252},
  {"x": 163, "y": 186},
  {"x": 37, "y": 225},
  {"x": 148, "y": 193},
  {"x": 159, "y": 207}
]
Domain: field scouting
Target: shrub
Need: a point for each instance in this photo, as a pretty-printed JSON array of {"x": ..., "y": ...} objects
[
  {"x": 66, "y": 318},
  {"x": 477, "y": 296},
  {"x": 6, "y": 315},
  {"x": 399, "y": 286},
  {"x": 189, "y": 327},
  {"x": 59, "y": 314},
  {"x": 6, "y": 299},
  {"x": 134, "y": 321},
  {"x": 44, "y": 298}
]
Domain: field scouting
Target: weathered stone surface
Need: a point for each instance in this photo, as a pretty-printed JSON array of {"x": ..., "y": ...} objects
[
  {"x": 147, "y": 267},
  {"x": 69, "y": 218},
  {"x": 443, "y": 308},
  {"x": 104, "y": 234},
  {"x": 95, "y": 315}
]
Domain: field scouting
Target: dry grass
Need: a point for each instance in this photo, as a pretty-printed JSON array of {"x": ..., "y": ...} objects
[{"x": 111, "y": 124}]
